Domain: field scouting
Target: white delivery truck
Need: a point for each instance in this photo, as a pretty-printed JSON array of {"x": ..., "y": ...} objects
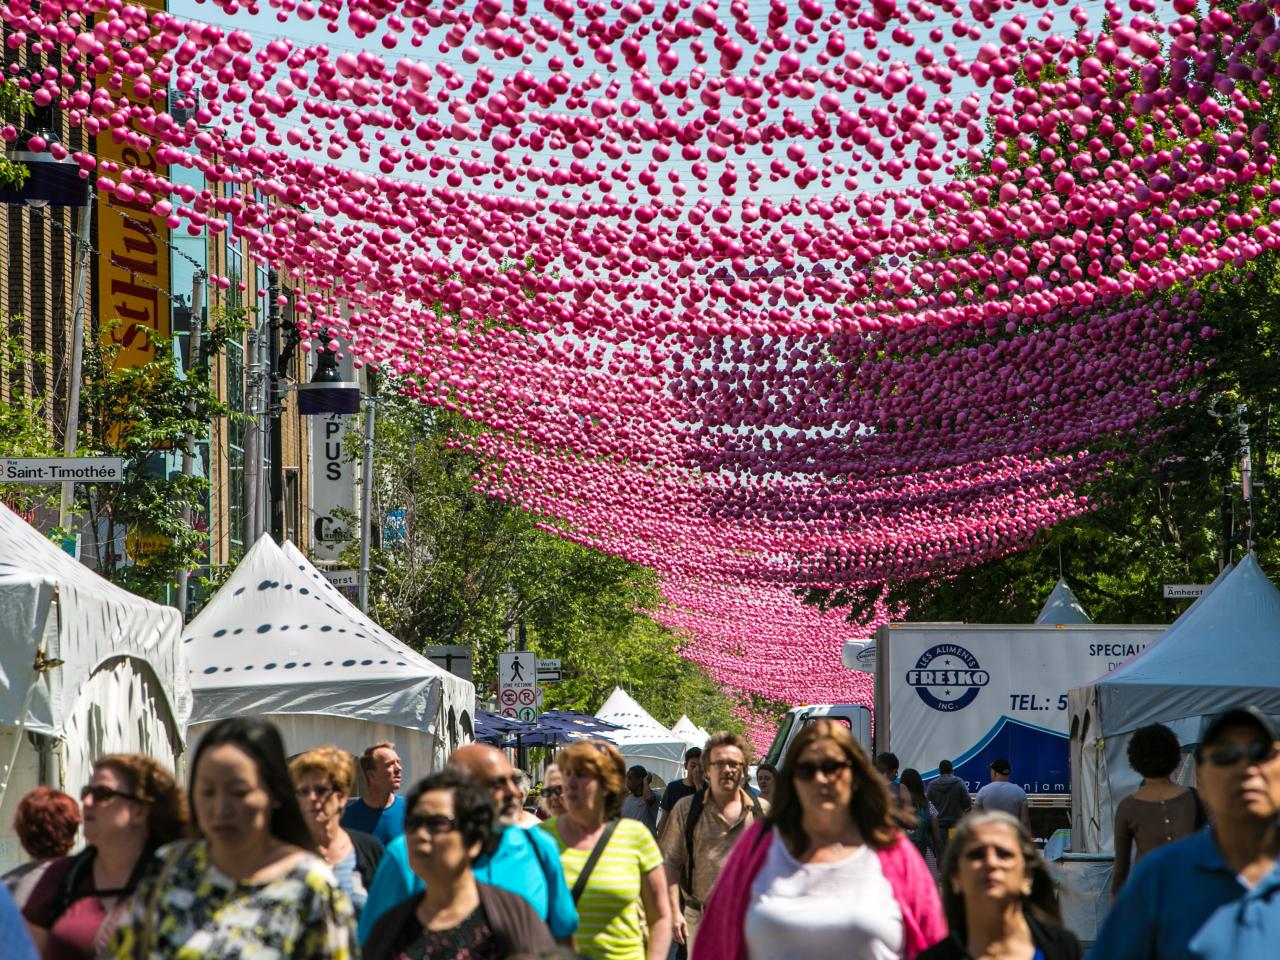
[
  {"x": 972, "y": 693},
  {"x": 853, "y": 715}
]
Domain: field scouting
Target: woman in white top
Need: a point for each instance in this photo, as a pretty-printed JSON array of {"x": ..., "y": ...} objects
[{"x": 827, "y": 874}]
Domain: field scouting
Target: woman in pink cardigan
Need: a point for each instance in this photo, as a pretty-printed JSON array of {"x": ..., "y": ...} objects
[{"x": 827, "y": 874}]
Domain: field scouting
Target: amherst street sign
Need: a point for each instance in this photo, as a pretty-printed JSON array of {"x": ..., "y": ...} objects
[{"x": 62, "y": 469}]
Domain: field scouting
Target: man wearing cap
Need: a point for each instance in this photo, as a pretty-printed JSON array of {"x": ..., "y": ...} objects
[
  {"x": 1000, "y": 794},
  {"x": 1214, "y": 895}
]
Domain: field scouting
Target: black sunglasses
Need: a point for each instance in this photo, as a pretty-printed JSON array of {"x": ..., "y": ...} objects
[
  {"x": 828, "y": 768},
  {"x": 434, "y": 823},
  {"x": 102, "y": 794},
  {"x": 552, "y": 791},
  {"x": 1254, "y": 751}
]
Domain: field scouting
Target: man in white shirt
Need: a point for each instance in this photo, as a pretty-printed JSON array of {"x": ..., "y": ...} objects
[{"x": 1000, "y": 794}]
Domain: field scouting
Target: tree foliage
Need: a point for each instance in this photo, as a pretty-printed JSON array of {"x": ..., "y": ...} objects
[
  {"x": 143, "y": 414},
  {"x": 471, "y": 569},
  {"x": 26, "y": 428}
]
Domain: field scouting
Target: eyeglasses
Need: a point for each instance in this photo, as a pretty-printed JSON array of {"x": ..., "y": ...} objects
[
  {"x": 727, "y": 765},
  {"x": 828, "y": 768},
  {"x": 321, "y": 793},
  {"x": 1254, "y": 751},
  {"x": 434, "y": 823},
  {"x": 552, "y": 791},
  {"x": 102, "y": 794}
]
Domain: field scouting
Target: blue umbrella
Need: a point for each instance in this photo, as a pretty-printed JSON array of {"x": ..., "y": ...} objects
[
  {"x": 493, "y": 727},
  {"x": 576, "y": 721}
]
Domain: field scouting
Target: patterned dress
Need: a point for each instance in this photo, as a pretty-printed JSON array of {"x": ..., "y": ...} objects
[{"x": 202, "y": 914}]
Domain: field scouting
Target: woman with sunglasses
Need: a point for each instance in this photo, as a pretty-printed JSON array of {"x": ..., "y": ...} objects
[
  {"x": 999, "y": 898},
  {"x": 552, "y": 794},
  {"x": 628, "y": 870},
  {"x": 322, "y": 779},
  {"x": 251, "y": 885},
  {"x": 130, "y": 806},
  {"x": 451, "y": 821},
  {"x": 827, "y": 873}
]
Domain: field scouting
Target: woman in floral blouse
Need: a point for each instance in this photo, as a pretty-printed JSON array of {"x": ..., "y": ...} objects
[{"x": 251, "y": 886}]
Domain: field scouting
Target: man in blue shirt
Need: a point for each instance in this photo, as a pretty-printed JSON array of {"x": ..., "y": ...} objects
[
  {"x": 527, "y": 862},
  {"x": 379, "y": 811},
  {"x": 1216, "y": 894}
]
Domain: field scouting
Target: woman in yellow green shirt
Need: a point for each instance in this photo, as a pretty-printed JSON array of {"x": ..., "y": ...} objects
[{"x": 629, "y": 870}]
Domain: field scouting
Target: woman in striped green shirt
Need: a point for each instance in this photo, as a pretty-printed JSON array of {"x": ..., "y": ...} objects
[{"x": 611, "y": 924}]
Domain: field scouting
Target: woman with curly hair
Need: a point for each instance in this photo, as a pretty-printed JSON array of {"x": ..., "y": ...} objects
[
  {"x": 1159, "y": 811},
  {"x": 627, "y": 872},
  {"x": 322, "y": 779},
  {"x": 131, "y": 806},
  {"x": 999, "y": 898},
  {"x": 46, "y": 823},
  {"x": 452, "y": 820},
  {"x": 827, "y": 873}
]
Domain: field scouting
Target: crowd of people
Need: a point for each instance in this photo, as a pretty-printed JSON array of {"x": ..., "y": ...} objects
[{"x": 830, "y": 855}]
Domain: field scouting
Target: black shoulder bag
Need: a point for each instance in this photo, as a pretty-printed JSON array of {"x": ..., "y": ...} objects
[{"x": 580, "y": 884}]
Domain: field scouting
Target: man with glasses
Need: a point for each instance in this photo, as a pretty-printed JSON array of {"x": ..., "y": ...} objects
[
  {"x": 703, "y": 828},
  {"x": 1214, "y": 895},
  {"x": 526, "y": 862}
]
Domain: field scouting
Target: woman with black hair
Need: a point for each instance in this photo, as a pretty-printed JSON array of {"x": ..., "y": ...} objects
[
  {"x": 251, "y": 885},
  {"x": 450, "y": 821},
  {"x": 998, "y": 896},
  {"x": 1159, "y": 811}
]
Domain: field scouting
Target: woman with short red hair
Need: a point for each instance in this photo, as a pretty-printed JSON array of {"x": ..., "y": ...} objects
[{"x": 46, "y": 823}]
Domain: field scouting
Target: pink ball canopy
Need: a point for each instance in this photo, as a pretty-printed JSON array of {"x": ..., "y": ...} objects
[{"x": 765, "y": 298}]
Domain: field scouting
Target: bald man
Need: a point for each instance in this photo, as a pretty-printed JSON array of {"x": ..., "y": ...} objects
[{"x": 526, "y": 862}]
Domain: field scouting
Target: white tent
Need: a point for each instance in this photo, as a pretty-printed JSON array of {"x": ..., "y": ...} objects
[
  {"x": 1222, "y": 652},
  {"x": 644, "y": 740},
  {"x": 279, "y": 641},
  {"x": 1062, "y": 607},
  {"x": 690, "y": 732},
  {"x": 115, "y": 678}
]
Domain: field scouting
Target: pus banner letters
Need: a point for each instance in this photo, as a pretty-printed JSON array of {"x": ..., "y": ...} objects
[{"x": 518, "y": 685}]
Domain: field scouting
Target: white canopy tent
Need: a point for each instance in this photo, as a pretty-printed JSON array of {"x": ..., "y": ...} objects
[
  {"x": 1222, "y": 652},
  {"x": 690, "y": 732},
  {"x": 279, "y": 641},
  {"x": 644, "y": 740},
  {"x": 114, "y": 676},
  {"x": 1062, "y": 607}
]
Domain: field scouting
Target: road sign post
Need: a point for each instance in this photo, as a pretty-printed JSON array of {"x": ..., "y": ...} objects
[
  {"x": 62, "y": 469},
  {"x": 518, "y": 685}
]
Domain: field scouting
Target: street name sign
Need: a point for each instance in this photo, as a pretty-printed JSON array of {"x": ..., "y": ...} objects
[
  {"x": 1184, "y": 591},
  {"x": 342, "y": 578},
  {"x": 549, "y": 670},
  {"x": 62, "y": 469}
]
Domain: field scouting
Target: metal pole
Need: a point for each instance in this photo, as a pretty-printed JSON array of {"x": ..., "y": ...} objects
[
  {"x": 366, "y": 511},
  {"x": 189, "y": 445},
  {"x": 252, "y": 446},
  {"x": 264, "y": 427},
  {"x": 277, "y": 406},
  {"x": 78, "y": 310}
]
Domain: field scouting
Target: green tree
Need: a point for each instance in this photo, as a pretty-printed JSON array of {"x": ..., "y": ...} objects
[
  {"x": 25, "y": 424},
  {"x": 144, "y": 414},
  {"x": 15, "y": 106},
  {"x": 471, "y": 569}
]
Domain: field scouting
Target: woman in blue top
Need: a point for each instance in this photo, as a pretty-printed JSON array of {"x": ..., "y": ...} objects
[{"x": 998, "y": 896}]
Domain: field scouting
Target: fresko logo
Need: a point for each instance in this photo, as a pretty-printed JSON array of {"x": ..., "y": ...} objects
[{"x": 948, "y": 677}]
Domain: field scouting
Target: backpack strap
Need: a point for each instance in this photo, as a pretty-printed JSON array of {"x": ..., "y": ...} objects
[
  {"x": 580, "y": 885},
  {"x": 690, "y": 822}
]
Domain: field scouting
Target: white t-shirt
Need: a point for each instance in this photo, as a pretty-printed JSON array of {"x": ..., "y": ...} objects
[
  {"x": 819, "y": 911},
  {"x": 1002, "y": 795}
]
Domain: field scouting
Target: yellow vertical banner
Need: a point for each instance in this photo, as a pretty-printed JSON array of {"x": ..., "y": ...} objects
[{"x": 134, "y": 257}]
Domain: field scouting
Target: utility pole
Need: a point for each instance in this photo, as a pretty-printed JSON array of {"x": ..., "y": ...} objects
[
  {"x": 79, "y": 301},
  {"x": 278, "y": 366},
  {"x": 189, "y": 445},
  {"x": 252, "y": 441},
  {"x": 366, "y": 511}
]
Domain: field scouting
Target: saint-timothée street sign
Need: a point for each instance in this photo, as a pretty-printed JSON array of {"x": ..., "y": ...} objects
[{"x": 62, "y": 469}]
